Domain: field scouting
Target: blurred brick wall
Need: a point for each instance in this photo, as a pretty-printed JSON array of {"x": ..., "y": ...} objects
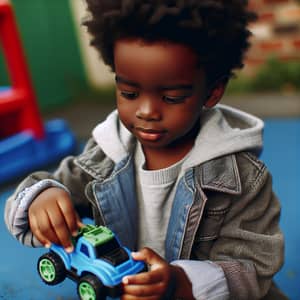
[{"x": 275, "y": 33}]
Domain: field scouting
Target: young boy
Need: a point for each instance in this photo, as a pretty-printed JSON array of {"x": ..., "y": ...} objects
[{"x": 176, "y": 177}]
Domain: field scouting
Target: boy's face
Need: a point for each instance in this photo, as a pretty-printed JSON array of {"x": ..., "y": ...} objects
[{"x": 160, "y": 92}]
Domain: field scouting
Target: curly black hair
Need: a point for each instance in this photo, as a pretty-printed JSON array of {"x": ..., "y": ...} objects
[{"x": 217, "y": 30}]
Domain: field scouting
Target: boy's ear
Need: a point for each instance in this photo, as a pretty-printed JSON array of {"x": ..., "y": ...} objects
[{"x": 215, "y": 95}]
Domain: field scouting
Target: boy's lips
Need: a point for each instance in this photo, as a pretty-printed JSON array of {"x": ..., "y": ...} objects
[{"x": 149, "y": 134}]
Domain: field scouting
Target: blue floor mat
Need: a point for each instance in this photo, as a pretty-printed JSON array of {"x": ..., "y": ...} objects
[
  {"x": 282, "y": 156},
  {"x": 19, "y": 279}
]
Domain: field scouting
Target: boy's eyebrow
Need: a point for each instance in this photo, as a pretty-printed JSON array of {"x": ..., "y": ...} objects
[
  {"x": 177, "y": 87},
  {"x": 119, "y": 79}
]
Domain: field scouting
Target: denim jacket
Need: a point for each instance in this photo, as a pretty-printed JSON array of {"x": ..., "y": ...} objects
[{"x": 224, "y": 211}]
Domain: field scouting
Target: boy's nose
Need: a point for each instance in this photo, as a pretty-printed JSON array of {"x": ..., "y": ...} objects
[{"x": 148, "y": 110}]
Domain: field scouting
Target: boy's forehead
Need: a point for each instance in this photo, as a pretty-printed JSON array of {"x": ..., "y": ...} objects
[
  {"x": 161, "y": 56},
  {"x": 150, "y": 45},
  {"x": 157, "y": 64}
]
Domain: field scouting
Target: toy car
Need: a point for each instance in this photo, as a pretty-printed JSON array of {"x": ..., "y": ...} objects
[{"x": 98, "y": 263}]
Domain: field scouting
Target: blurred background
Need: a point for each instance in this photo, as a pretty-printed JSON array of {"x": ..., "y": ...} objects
[
  {"x": 65, "y": 70},
  {"x": 71, "y": 83}
]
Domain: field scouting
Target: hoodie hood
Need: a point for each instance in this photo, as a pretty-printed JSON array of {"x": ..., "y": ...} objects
[
  {"x": 224, "y": 130},
  {"x": 113, "y": 138}
]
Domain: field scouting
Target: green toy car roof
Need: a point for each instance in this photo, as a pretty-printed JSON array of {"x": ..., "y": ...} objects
[{"x": 97, "y": 235}]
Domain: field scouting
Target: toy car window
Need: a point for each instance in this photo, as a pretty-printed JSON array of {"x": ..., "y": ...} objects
[
  {"x": 84, "y": 249},
  {"x": 105, "y": 248}
]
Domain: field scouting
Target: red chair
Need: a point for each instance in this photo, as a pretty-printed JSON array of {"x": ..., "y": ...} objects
[
  {"x": 26, "y": 143},
  {"x": 18, "y": 106}
]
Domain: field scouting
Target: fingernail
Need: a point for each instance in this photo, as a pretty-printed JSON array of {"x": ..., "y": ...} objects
[
  {"x": 74, "y": 233},
  {"x": 125, "y": 280},
  {"x": 47, "y": 245},
  {"x": 69, "y": 249}
]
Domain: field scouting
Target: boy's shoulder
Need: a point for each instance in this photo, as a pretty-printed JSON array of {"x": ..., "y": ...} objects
[
  {"x": 233, "y": 173},
  {"x": 252, "y": 170},
  {"x": 93, "y": 160}
]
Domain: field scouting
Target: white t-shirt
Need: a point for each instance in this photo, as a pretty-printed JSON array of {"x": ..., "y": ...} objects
[{"x": 155, "y": 195}]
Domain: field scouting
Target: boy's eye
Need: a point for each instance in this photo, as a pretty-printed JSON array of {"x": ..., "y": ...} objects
[
  {"x": 129, "y": 95},
  {"x": 174, "y": 100}
]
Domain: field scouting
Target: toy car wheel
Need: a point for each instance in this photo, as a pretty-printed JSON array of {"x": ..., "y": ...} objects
[
  {"x": 90, "y": 288},
  {"x": 51, "y": 268}
]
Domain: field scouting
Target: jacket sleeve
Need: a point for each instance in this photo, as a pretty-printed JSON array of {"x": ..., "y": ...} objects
[
  {"x": 67, "y": 176},
  {"x": 207, "y": 279},
  {"x": 250, "y": 246}
]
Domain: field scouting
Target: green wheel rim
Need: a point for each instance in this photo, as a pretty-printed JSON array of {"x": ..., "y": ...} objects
[
  {"x": 86, "y": 291},
  {"x": 47, "y": 270}
]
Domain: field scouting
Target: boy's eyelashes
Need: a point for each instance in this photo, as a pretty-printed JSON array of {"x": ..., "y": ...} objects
[
  {"x": 168, "y": 99},
  {"x": 175, "y": 100},
  {"x": 129, "y": 95}
]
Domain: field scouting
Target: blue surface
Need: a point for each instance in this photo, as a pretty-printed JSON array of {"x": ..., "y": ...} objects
[
  {"x": 19, "y": 279},
  {"x": 282, "y": 156},
  {"x": 22, "y": 153}
]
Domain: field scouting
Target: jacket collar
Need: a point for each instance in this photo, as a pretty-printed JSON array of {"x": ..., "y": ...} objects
[
  {"x": 94, "y": 162},
  {"x": 220, "y": 174}
]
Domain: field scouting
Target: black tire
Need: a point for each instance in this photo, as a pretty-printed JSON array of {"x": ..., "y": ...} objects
[
  {"x": 51, "y": 268},
  {"x": 90, "y": 283}
]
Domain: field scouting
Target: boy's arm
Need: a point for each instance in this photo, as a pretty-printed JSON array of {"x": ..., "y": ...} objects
[
  {"x": 182, "y": 279},
  {"x": 16, "y": 208},
  {"x": 207, "y": 279},
  {"x": 68, "y": 176},
  {"x": 250, "y": 248}
]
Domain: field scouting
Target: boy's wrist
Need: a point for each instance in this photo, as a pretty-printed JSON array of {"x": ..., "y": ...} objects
[{"x": 181, "y": 285}]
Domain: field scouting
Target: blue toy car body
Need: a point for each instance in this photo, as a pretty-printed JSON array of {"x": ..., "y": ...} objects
[{"x": 98, "y": 263}]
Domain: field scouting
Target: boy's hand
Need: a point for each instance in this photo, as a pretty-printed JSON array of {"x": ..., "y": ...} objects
[
  {"x": 154, "y": 284},
  {"x": 53, "y": 219}
]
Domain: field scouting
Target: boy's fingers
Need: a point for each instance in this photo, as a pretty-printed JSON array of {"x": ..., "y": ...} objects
[
  {"x": 69, "y": 215},
  {"x": 148, "y": 256},
  {"x": 64, "y": 238},
  {"x": 61, "y": 229},
  {"x": 37, "y": 233},
  {"x": 144, "y": 290},
  {"x": 151, "y": 277},
  {"x": 78, "y": 221},
  {"x": 133, "y": 297}
]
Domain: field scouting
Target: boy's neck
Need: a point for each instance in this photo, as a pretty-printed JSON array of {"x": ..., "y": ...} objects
[{"x": 163, "y": 158}]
